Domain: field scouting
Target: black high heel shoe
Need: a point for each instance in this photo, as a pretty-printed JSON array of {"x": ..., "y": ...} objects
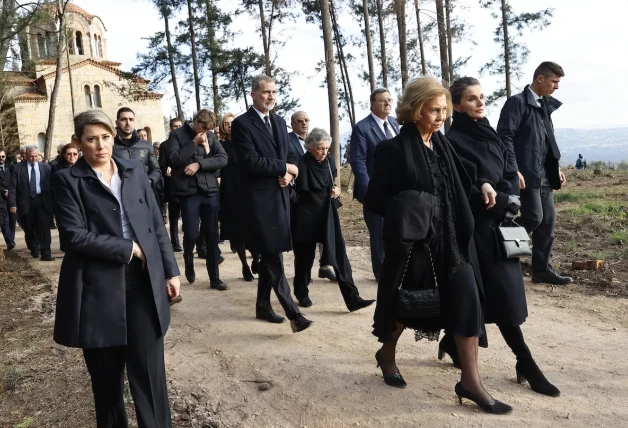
[
  {"x": 448, "y": 346},
  {"x": 395, "y": 380},
  {"x": 495, "y": 407},
  {"x": 528, "y": 370}
]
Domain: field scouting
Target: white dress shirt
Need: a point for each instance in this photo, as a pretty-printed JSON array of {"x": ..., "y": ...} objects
[
  {"x": 536, "y": 97},
  {"x": 380, "y": 123},
  {"x": 37, "y": 175},
  {"x": 262, "y": 116}
]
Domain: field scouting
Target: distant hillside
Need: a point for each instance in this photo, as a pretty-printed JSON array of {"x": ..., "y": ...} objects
[{"x": 594, "y": 144}]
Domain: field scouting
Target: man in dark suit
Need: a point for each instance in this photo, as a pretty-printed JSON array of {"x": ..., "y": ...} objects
[
  {"x": 267, "y": 167},
  {"x": 30, "y": 197},
  {"x": 525, "y": 126},
  {"x": 8, "y": 225},
  {"x": 300, "y": 123},
  {"x": 366, "y": 134},
  {"x": 174, "y": 209}
]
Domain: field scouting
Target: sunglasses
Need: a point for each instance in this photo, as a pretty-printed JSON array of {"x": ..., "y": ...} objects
[
  {"x": 3, "y": 157},
  {"x": 71, "y": 154}
]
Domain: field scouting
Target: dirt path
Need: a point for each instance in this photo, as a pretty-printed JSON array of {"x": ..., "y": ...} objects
[{"x": 326, "y": 377}]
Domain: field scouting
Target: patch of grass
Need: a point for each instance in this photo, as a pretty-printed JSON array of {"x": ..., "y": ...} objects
[
  {"x": 10, "y": 378},
  {"x": 611, "y": 209},
  {"x": 620, "y": 237},
  {"x": 565, "y": 196}
]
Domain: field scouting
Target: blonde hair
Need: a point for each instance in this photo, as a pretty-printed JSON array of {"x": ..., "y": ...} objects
[
  {"x": 92, "y": 117},
  {"x": 221, "y": 125},
  {"x": 416, "y": 94}
]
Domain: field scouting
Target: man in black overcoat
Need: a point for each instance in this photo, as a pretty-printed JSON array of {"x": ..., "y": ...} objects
[
  {"x": 267, "y": 167},
  {"x": 8, "y": 225},
  {"x": 31, "y": 199},
  {"x": 526, "y": 127},
  {"x": 174, "y": 209}
]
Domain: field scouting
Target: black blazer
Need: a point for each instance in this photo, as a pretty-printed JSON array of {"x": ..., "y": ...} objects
[
  {"x": 91, "y": 310},
  {"x": 5, "y": 175},
  {"x": 20, "y": 190},
  {"x": 262, "y": 159},
  {"x": 295, "y": 144}
]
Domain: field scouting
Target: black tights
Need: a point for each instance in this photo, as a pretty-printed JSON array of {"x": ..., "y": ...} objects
[{"x": 514, "y": 339}]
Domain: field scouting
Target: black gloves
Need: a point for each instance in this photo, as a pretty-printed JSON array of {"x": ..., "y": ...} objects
[{"x": 512, "y": 209}]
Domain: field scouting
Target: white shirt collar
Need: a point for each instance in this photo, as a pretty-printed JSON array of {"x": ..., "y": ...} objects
[
  {"x": 379, "y": 120},
  {"x": 534, "y": 94},
  {"x": 115, "y": 170},
  {"x": 262, "y": 115}
]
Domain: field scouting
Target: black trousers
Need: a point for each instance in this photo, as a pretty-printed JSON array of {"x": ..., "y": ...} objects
[
  {"x": 375, "y": 225},
  {"x": 174, "y": 211},
  {"x": 144, "y": 360},
  {"x": 193, "y": 209},
  {"x": 8, "y": 229},
  {"x": 36, "y": 224},
  {"x": 538, "y": 216},
  {"x": 272, "y": 277},
  {"x": 304, "y": 254}
]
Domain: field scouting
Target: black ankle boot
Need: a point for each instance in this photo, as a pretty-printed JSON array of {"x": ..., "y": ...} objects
[
  {"x": 447, "y": 345},
  {"x": 528, "y": 370},
  {"x": 188, "y": 260}
]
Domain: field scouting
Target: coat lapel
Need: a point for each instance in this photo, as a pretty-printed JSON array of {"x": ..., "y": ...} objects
[
  {"x": 376, "y": 129},
  {"x": 259, "y": 124},
  {"x": 282, "y": 146}
]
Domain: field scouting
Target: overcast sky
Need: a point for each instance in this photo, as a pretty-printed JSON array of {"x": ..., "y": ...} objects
[{"x": 583, "y": 37}]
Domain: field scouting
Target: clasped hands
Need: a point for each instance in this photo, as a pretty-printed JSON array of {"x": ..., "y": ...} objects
[
  {"x": 291, "y": 173},
  {"x": 172, "y": 284}
]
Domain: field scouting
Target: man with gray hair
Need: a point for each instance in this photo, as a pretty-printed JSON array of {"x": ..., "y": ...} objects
[
  {"x": 366, "y": 134},
  {"x": 31, "y": 199},
  {"x": 59, "y": 160},
  {"x": 300, "y": 123},
  {"x": 267, "y": 167}
]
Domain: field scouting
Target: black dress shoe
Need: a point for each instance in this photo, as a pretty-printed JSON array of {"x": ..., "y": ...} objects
[
  {"x": 177, "y": 248},
  {"x": 327, "y": 273},
  {"x": 395, "y": 379},
  {"x": 47, "y": 258},
  {"x": 246, "y": 274},
  {"x": 11, "y": 246},
  {"x": 360, "y": 303},
  {"x": 190, "y": 275},
  {"x": 272, "y": 317},
  {"x": 305, "y": 302},
  {"x": 220, "y": 259},
  {"x": 218, "y": 285},
  {"x": 495, "y": 407},
  {"x": 528, "y": 370},
  {"x": 551, "y": 277},
  {"x": 300, "y": 323},
  {"x": 35, "y": 254},
  {"x": 201, "y": 253},
  {"x": 255, "y": 265}
]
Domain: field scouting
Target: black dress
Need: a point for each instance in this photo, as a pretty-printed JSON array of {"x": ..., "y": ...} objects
[
  {"x": 403, "y": 163},
  {"x": 484, "y": 157}
]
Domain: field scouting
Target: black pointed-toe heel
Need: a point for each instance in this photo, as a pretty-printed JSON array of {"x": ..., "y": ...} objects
[
  {"x": 528, "y": 370},
  {"x": 395, "y": 380},
  {"x": 447, "y": 346},
  {"x": 495, "y": 407}
]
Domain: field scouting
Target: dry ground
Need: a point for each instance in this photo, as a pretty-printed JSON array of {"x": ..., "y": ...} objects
[{"x": 217, "y": 353}]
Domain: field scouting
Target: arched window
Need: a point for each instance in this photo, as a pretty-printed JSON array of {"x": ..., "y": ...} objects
[
  {"x": 41, "y": 142},
  {"x": 88, "y": 97},
  {"x": 100, "y": 51},
  {"x": 79, "y": 43},
  {"x": 97, "y": 99},
  {"x": 41, "y": 43}
]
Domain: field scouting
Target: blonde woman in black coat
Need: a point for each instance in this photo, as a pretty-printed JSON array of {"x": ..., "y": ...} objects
[
  {"x": 117, "y": 276},
  {"x": 485, "y": 159}
]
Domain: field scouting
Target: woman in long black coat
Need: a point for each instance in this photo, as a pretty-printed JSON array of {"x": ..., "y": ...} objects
[
  {"x": 117, "y": 276},
  {"x": 420, "y": 159},
  {"x": 231, "y": 214},
  {"x": 485, "y": 159},
  {"x": 315, "y": 220}
]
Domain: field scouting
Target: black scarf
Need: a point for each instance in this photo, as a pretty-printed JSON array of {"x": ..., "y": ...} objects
[
  {"x": 317, "y": 175},
  {"x": 477, "y": 129}
]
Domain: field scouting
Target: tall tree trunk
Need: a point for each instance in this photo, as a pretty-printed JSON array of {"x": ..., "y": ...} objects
[
  {"x": 506, "y": 46},
  {"x": 369, "y": 46},
  {"x": 331, "y": 84},
  {"x": 7, "y": 12},
  {"x": 67, "y": 55},
  {"x": 211, "y": 35},
  {"x": 382, "y": 42},
  {"x": 442, "y": 43},
  {"x": 343, "y": 64},
  {"x": 197, "y": 80},
  {"x": 265, "y": 40},
  {"x": 450, "y": 55},
  {"x": 400, "y": 9},
  {"x": 420, "y": 30},
  {"x": 166, "y": 14}
]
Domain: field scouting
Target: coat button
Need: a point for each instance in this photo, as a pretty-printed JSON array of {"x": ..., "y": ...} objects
[
  {"x": 150, "y": 230},
  {"x": 141, "y": 201},
  {"x": 114, "y": 209}
]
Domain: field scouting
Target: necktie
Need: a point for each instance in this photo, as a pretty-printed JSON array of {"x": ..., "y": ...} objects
[
  {"x": 33, "y": 181},
  {"x": 387, "y": 130},
  {"x": 267, "y": 122}
]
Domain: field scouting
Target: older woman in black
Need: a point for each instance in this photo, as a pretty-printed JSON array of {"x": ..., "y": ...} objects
[
  {"x": 420, "y": 166},
  {"x": 485, "y": 158},
  {"x": 70, "y": 154},
  {"x": 315, "y": 220},
  {"x": 116, "y": 278},
  {"x": 231, "y": 226}
]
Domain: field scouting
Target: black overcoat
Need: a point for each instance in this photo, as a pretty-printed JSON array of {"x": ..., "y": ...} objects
[
  {"x": 486, "y": 161},
  {"x": 262, "y": 159},
  {"x": 231, "y": 213},
  {"x": 91, "y": 300},
  {"x": 20, "y": 191}
]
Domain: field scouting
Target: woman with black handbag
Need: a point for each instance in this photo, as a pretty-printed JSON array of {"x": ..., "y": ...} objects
[
  {"x": 420, "y": 188},
  {"x": 315, "y": 220},
  {"x": 485, "y": 159}
]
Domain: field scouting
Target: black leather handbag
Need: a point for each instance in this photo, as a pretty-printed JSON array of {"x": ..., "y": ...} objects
[
  {"x": 418, "y": 303},
  {"x": 514, "y": 240}
]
